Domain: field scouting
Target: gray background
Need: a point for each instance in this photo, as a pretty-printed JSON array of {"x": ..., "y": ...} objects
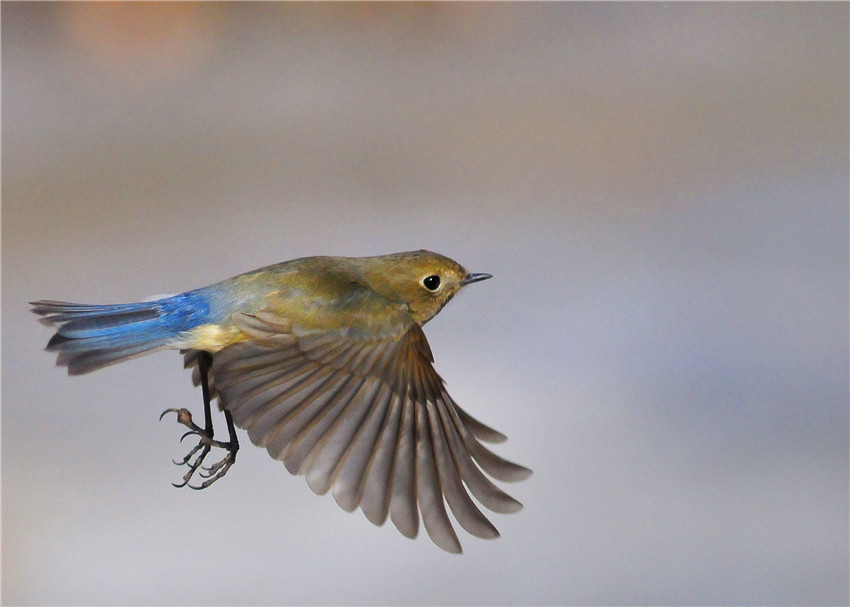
[{"x": 660, "y": 191}]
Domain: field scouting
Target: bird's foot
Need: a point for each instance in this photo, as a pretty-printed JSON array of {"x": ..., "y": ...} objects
[{"x": 195, "y": 458}]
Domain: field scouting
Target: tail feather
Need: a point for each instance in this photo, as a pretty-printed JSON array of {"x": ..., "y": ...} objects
[
  {"x": 89, "y": 337},
  {"x": 52, "y": 306},
  {"x": 86, "y": 361},
  {"x": 91, "y": 325}
]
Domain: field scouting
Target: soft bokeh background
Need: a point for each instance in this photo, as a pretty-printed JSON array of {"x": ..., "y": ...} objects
[{"x": 660, "y": 190}]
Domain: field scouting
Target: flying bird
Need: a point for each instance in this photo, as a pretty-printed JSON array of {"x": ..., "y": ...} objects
[{"x": 323, "y": 361}]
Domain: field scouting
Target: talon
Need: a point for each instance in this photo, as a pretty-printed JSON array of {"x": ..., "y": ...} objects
[
  {"x": 188, "y": 455},
  {"x": 216, "y": 471},
  {"x": 195, "y": 458},
  {"x": 222, "y": 465},
  {"x": 189, "y": 433}
]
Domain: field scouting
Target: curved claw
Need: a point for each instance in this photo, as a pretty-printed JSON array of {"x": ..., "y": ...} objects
[
  {"x": 190, "y": 433},
  {"x": 172, "y": 410},
  {"x": 189, "y": 456},
  {"x": 209, "y": 472},
  {"x": 185, "y": 460},
  {"x": 220, "y": 470},
  {"x": 203, "y": 485},
  {"x": 220, "y": 466}
]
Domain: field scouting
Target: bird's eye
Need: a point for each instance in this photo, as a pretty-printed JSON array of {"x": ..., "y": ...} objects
[{"x": 432, "y": 283}]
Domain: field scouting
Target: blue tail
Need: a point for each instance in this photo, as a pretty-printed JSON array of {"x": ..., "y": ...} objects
[{"x": 89, "y": 337}]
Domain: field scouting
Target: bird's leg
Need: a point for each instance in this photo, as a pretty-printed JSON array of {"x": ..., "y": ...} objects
[{"x": 199, "y": 452}]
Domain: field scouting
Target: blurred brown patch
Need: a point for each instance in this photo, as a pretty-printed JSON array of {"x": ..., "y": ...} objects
[{"x": 141, "y": 45}]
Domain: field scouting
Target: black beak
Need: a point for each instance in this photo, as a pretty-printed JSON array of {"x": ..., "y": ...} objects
[{"x": 470, "y": 278}]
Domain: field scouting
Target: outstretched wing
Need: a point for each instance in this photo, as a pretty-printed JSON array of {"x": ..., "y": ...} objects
[{"x": 367, "y": 419}]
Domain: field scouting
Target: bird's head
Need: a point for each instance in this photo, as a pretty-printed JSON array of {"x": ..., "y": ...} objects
[{"x": 424, "y": 280}]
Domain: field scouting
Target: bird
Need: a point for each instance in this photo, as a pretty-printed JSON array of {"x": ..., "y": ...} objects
[{"x": 324, "y": 362}]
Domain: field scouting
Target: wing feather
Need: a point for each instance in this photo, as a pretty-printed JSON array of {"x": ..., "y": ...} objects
[
  {"x": 377, "y": 478},
  {"x": 479, "y": 485},
  {"x": 431, "y": 503},
  {"x": 348, "y": 475},
  {"x": 263, "y": 406},
  {"x": 281, "y": 438},
  {"x": 336, "y": 439},
  {"x": 479, "y": 430},
  {"x": 299, "y": 458},
  {"x": 403, "y": 511},
  {"x": 368, "y": 418},
  {"x": 464, "y": 510},
  {"x": 491, "y": 463}
]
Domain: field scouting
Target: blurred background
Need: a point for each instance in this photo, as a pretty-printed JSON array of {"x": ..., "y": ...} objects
[{"x": 660, "y": 190}]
